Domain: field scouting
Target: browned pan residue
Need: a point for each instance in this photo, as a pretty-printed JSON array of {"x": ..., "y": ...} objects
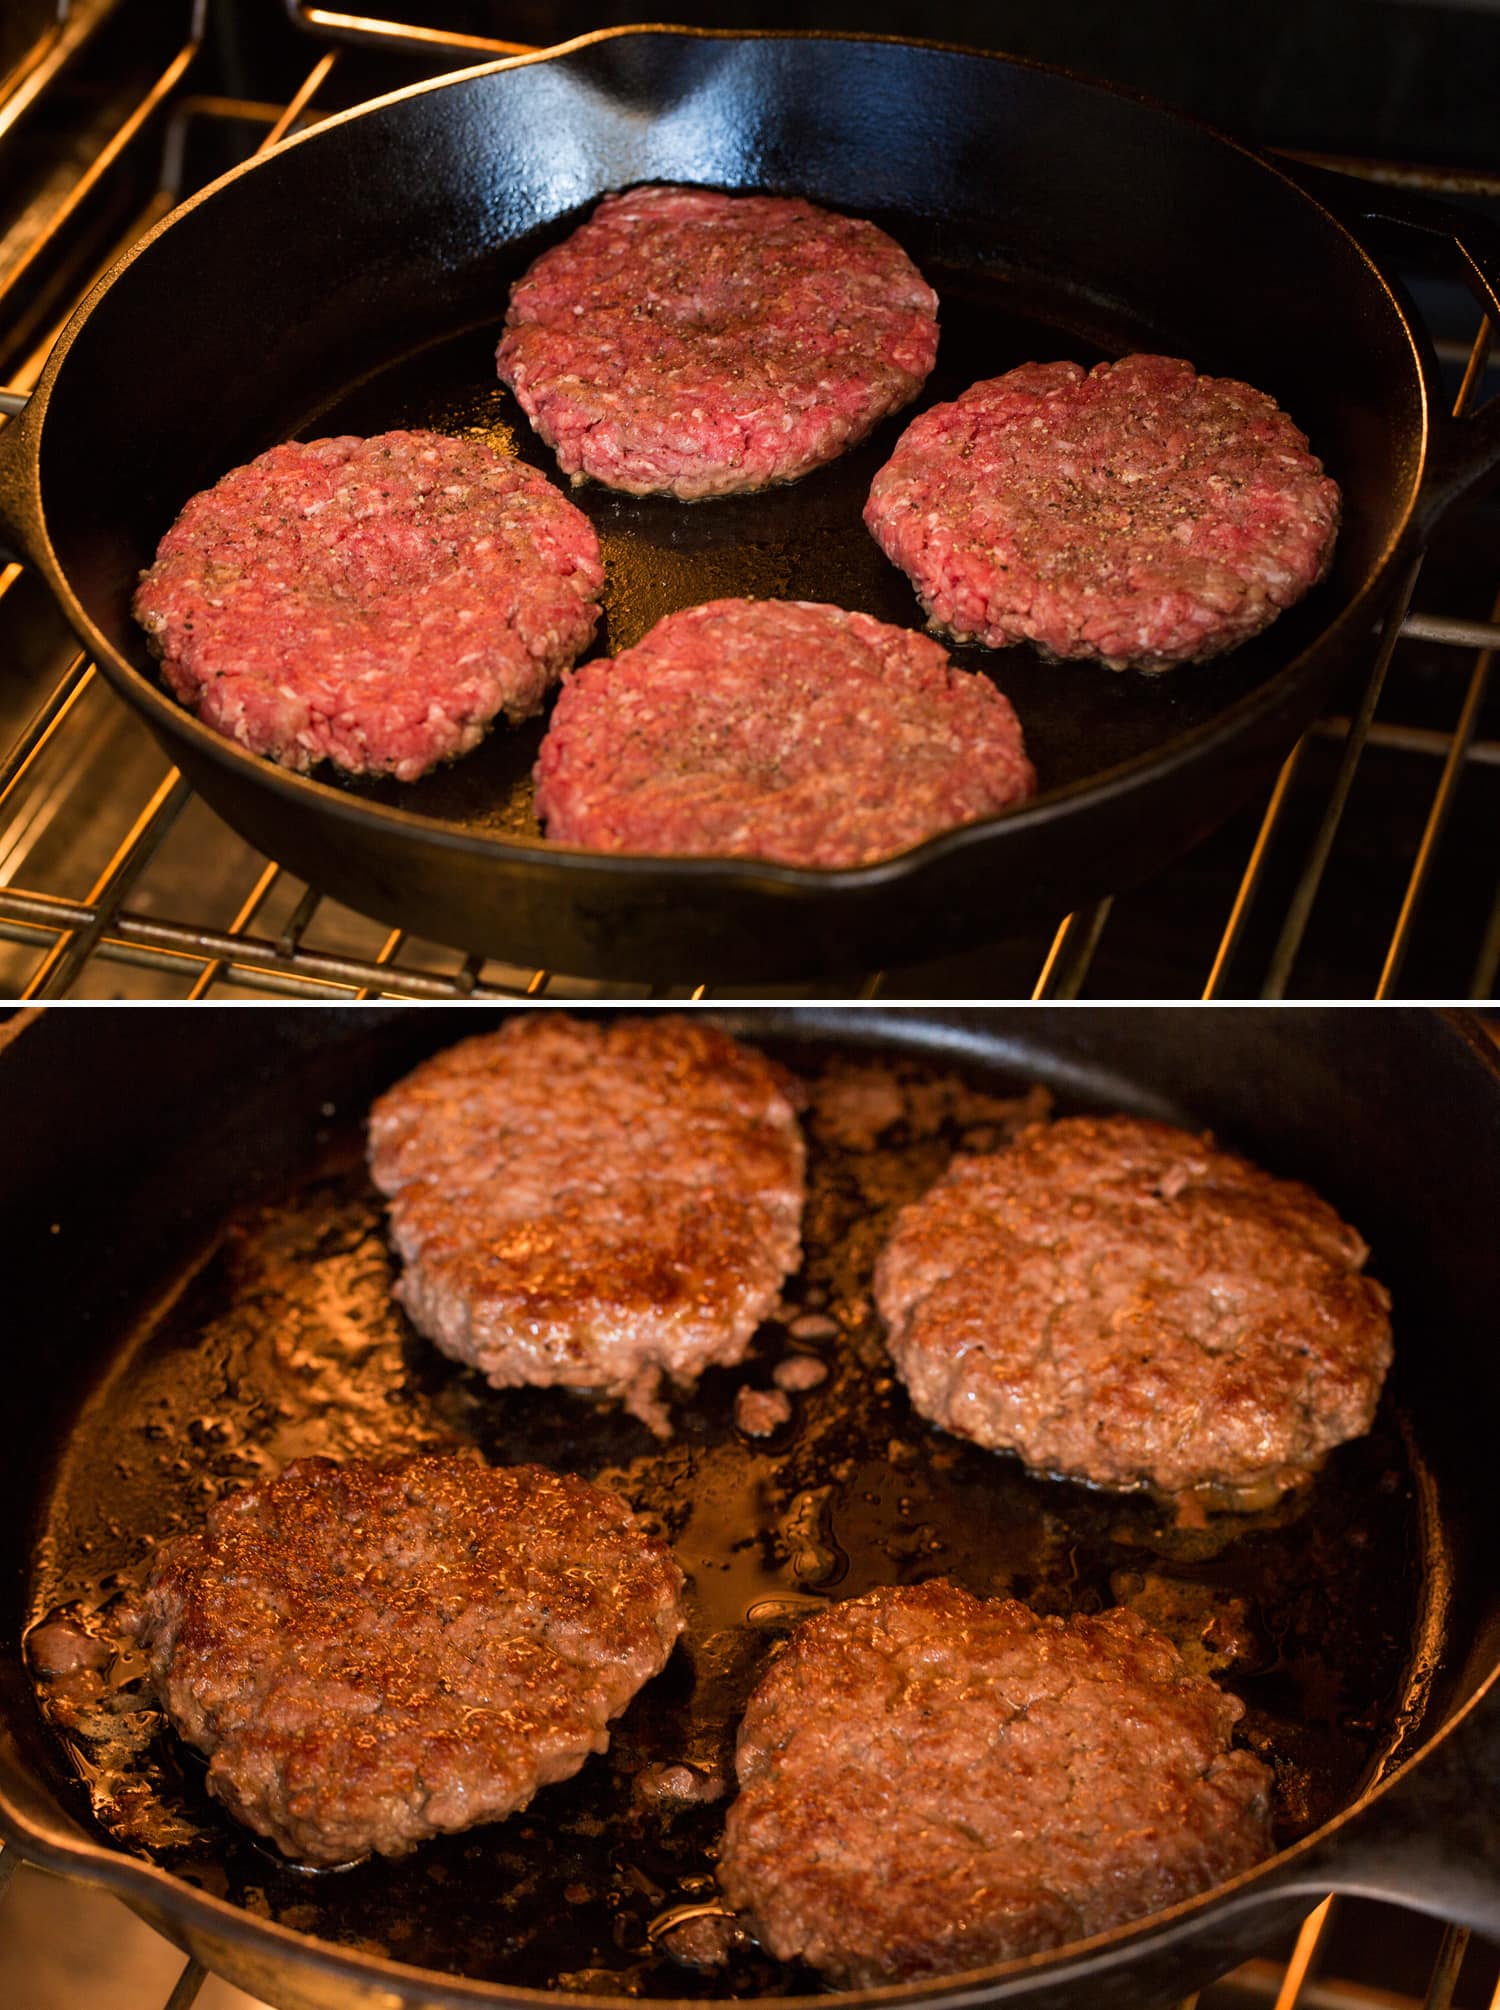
[{"x": 282, "y": 1340}]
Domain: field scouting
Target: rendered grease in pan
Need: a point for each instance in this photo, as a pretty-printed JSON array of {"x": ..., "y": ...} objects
[{"x": 283, "y": 1340}]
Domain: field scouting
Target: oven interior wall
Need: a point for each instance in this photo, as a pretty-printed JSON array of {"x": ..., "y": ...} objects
[{"x": 1344, "y": 76}]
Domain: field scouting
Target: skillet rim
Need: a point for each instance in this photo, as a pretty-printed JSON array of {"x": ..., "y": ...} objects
[
  {"x": 1299, "y": 1871},
  {"x": 1296, "y": 686},
  {"x": 1275, "y": 1879}
]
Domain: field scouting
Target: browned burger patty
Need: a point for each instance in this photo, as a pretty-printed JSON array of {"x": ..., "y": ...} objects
[
  {"x": 696, "y": 344},
  {"x": 371, "y": 602},
  {"x": 593, "y": 1206},
  {"x": 931, "y": 1782},
  {"x": 1120, "y": 1302},
  {"x": 1135, "y": 513},
  {"x": 376, "y": 1653},
  {"x": 776, "y": 729}
]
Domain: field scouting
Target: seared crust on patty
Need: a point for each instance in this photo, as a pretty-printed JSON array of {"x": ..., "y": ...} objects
[
  {"x": 376, "y": 1653},
  {"x": 931, "y": 1782},
  {"x": 1135, "y": 513},
  {"x": 371, "y": 602},
  {"x": 592, "y": 1205},
  {"x": 694, "y": 344},
  {"x": 776, "y": 729},
  {"x": 1120, "y": 1302}
]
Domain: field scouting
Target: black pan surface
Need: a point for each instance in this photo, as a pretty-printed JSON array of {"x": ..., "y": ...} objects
[
  {"x": 805, "y": 540},
  {"x": 356, "y": 279},
  {"x": 215, "y": 1274}
]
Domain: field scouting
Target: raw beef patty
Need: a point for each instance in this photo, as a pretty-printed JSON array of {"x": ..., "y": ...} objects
[
  {"x": 374, "y": 603},
  {"x": 696, "y": 344},
  {"x": 1135, "y": 513},
  {"x": 778, "y": 730}
]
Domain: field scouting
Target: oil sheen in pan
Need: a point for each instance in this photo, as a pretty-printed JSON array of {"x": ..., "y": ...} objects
[
  {"x": 806, "y": 540},
  {"x": 280, "y": 1339}
]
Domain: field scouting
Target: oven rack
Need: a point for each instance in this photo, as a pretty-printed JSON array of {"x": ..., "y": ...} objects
[
  {"x": 128, "y": 906},
  {"x": 1450, "y": 1968}
]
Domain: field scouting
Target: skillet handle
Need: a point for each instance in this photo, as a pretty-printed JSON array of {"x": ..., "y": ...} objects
[
  {"x": 14, "y": 465},
  {"x": 1431, "y": 1840},
  {"x": 1464, "y": 453}
]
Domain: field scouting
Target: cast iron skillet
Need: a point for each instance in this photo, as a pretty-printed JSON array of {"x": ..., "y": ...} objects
[
  {"x": 170, "y": 1248},
  {"x": 355, "y": 279}
]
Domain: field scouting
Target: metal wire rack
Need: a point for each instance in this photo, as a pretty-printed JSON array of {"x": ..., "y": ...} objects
[{"x": 1320, "y": 889}]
